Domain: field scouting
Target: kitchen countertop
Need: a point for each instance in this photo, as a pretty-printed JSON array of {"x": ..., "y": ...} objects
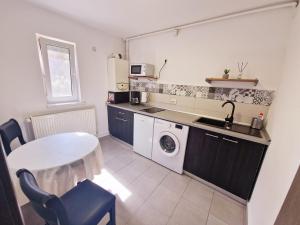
[{"x": 188, "y": 119}]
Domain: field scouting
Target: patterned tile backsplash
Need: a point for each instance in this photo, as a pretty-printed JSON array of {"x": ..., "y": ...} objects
[{"x": 248, "y": 96}]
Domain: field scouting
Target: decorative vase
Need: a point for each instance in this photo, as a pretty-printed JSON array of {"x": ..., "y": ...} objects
[{"x": 225, "y": 76}]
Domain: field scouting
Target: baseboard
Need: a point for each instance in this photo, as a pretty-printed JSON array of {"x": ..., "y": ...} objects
[
  {"x": 103, "y": 134},
  {"x": 122, "y": 142}
]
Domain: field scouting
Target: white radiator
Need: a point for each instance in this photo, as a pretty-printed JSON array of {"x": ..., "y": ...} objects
[{"x": 83, "y": 120}]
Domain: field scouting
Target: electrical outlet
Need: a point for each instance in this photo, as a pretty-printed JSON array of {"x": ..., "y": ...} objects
[{"x": 173, "y": 101}]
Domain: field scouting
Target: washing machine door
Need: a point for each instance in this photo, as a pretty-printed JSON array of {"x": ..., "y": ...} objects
[{"x": 169, "y": 144}]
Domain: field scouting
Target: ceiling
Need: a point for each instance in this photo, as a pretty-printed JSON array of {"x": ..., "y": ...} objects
[{"x": 125, "y": 18}]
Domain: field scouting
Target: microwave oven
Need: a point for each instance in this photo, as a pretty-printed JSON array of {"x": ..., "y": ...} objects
[
  {"x": 142, "y": 70},
  {"x": 116, "y": 97}
]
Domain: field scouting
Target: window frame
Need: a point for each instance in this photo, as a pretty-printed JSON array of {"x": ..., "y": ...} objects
[{"x": 43, "y": 42}]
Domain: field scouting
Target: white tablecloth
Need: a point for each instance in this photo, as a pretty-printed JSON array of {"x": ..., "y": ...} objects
[{"x": 58, "y": 162}]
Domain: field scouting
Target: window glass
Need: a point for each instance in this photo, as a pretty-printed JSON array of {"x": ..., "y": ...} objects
[{"x": 60, "y": 71}]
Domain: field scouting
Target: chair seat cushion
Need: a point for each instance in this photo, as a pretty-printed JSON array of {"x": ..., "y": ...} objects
[{"x": 87, "y": 203}]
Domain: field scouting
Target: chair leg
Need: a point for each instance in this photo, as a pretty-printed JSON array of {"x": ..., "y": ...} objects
[{"x": 112, "y": 216}]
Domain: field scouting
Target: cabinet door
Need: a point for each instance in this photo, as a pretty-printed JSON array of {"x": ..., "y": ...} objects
[
  {"x": 113, "y": 124},
  {"x": 116, "y": 122},
  {"x": 226, "y": 159},
  {"x": 120, "y": 124},
  {"x": 127, "y": 127},
  {"x": 246, "y": 168},
  {"x": 202, "y": 147}
]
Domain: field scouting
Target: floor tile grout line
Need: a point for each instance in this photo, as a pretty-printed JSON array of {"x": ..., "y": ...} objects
[
  {"x": 212, "y": 199},
  {"x": 158, "y": 185},
  {"x": 124, "y": 165},
  {"x": 147, "y": 198},
  {"x": 115, "y": 156},
  {"x": 181, "y": 197},
  {"x": 141, "y": 173}
]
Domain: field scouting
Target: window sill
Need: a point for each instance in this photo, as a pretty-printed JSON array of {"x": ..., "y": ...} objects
[{"x": 52, "y": 105}]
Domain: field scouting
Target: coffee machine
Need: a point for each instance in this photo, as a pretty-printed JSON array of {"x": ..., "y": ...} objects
[{"x": 135, "y": 97}]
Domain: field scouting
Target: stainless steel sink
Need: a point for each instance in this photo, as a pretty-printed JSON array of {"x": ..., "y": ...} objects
[
  {"x": 233, "y": 127},
  {"x": 152, "y": 110}
]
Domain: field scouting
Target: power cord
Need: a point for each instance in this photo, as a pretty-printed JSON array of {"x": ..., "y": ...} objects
[{"x": 162, "y": 67}]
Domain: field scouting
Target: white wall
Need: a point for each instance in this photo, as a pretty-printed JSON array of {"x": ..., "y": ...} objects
[
  {"x": 283, "y": 156},
  {"x": 205, "y": 51},
  {"x": 21, "y": 87}
]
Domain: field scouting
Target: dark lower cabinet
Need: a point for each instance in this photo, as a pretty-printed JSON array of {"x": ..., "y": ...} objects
[
  {"x": 230, "y": 163},
  {"x": 120, "y": 123},
  {"x": 246, "y": 168},
  {"x": 225, "y": 160},
  {"x": 201, "y": 152}
]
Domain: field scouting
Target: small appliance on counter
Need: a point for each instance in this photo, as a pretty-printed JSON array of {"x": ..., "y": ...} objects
[
  {"x": 142, "y": 70},
  {"x": 135, "y": 97},
  {"x": 144, "y": 97},
  {"x": 257, "y": 122},
  {"x": 116, "y": 97}
]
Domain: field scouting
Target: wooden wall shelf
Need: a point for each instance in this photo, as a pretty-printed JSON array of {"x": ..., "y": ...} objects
[
  {"x": 144, "y": 77},
  {"x": 210, "y": 80}
]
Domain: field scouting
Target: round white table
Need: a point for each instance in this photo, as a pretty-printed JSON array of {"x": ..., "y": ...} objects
[{"x": 58, "y": 162}]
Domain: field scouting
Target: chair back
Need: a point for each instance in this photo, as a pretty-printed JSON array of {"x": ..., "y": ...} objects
[
  {"x": 48, "y": 206},
  {"x": 9, "y": 131}
]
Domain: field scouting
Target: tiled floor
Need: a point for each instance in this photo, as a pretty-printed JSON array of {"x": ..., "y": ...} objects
[{"x": 149, "y": 194}]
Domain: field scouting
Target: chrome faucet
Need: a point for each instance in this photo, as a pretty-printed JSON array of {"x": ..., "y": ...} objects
[{"x": 229, "y": 120}]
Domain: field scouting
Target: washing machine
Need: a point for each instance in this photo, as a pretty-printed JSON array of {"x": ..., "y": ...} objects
[{"x": 169, "y": 144}]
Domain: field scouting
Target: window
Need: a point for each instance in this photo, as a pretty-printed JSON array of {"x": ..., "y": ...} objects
[{"x": 59, "y": 68}]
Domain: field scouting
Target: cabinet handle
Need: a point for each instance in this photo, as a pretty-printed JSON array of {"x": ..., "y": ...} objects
[
  {"x": 123, "y": 120},
  {"x": 121, "y": 113},
  {"x": 233, "y": 141},
  {"x": 211, "y": 135}
]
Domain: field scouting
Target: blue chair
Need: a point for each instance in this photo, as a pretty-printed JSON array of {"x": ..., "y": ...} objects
[
  {"x": 9, "y": 131},
  {"x": 85, "y": 204}
]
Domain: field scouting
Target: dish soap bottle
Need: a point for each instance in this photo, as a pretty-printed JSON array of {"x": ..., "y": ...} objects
[{"x": 257, "y": 122}]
